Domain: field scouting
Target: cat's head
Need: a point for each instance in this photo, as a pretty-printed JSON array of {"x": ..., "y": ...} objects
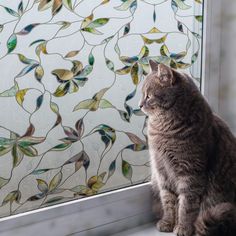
[{"x": 162, "y": 88}]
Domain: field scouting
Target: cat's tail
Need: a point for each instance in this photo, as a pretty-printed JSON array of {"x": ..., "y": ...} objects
[{"x": 217, "y": 221}]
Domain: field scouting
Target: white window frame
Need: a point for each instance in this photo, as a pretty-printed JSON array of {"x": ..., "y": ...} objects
[
  {"x": 111, "y": 212},
  {"x": 212, "y": 51}
]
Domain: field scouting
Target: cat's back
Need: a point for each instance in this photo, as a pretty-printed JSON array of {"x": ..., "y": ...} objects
[{"x": 224, "y": 155}]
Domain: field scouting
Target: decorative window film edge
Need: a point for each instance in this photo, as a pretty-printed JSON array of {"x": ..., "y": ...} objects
[{"x": 70, "y": 84}]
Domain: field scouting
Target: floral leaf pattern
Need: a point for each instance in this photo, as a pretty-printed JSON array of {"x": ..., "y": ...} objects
[{"x": 71, "y": 125}]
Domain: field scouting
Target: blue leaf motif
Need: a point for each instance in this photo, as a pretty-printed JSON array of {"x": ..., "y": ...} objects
[
  {"x": 28, "y": 29},
  {"x": 26, "y": 70}
]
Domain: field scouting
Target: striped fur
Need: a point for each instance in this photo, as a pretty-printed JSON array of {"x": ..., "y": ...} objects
[{"x": 193, "y": 155}]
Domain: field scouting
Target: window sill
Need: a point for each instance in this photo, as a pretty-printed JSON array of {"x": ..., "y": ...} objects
[
  {"x": 147, "y": 230},
  {"x": 104, "y": 214}
]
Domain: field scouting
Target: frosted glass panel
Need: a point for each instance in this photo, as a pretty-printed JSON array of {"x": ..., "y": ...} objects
[{"x": 71, "y": 73}]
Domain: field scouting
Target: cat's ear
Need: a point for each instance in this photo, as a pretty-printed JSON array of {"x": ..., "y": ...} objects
[
  {"x": 165, "y": 74},
  {"x": 153, "y": 65}
]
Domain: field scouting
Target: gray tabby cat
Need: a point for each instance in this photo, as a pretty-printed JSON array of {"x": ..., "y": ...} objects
[{"x": 193, "y": 156}]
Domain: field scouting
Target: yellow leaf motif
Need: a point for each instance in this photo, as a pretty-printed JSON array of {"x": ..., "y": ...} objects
[
  {"x": 44, "y": 4},
  {"x": 147, "y": 41},
  {"x": 20, "y": 96},
  {"x": 39, "y": 72},
  {"x": 89, "y": 104},
  {"x": 41, "y": 48},
  {"x": 134, "y": 73},
  {"x": 161, "y": 40},
  {"x": 86, "y": 21},
  {"x": 154, "y": 30},
  {"x": 71, "y": 54},
  {"x": 67, "y": 3},
  {"x": 57, "y": 4},
  {"x": 63, "y": 75},
  {"x": 105, "y": 1},
  {"x": 56, "y": 180}
]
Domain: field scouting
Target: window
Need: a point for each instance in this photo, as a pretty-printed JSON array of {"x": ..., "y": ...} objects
[{"x": 71, "y": 73}]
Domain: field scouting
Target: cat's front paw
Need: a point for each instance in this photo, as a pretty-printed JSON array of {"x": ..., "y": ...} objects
[
  {"x": 181, "y": 230},
  {"x": 165, "y": 226}
]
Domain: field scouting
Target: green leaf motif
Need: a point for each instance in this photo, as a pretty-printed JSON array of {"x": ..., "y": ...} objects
[
  {"x": 164, "y": 50},
  {"x": 12, "y": 12},
  {"x": 105, "y": 104},
  {"x": 134, "y": 73},
  {"x": 11, "y": 197},
  {"x": 91, "y": 59},
  {"x": 42, "y": 185},
  {"x": 61, "y": 147},
  {"x": 20, "y": 8},
  {"x": 26, "y": 60},
  {"x": 199, "y": 18},
  {"x": 98, "y": 23},
  {"x": 127, "y": 170},
  {"x": 17, "y": 155},
  {"x": 112, "y": 168},
  {"x": 62, "y": 90},
  {"x": 182, "y": 5},
  {"x": 3, "y": 182},
  {"x": 11, "y": 92},
  {"x": 28, "y": 150},
  {"x": 108, "y": 134},
  {"x": 91, "y": 30},
  {"x": 86, "y": 71},
  {"x": 56, "y": 180},
  {"x": 67, "y": 4},
  {"x": 125, "y": 6},
  {"x": 109, "y": 64},
  {"x": 11, "y": 43},
  {"x": 89, "y": 104}
]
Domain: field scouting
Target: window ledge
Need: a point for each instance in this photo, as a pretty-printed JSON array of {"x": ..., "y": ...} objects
[
  {"x": 147, "y": 230},
  {"x": 104, "y": 214}
]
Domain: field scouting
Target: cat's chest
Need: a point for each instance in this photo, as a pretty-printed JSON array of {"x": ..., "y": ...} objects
[{"x": 166, "y": 156}]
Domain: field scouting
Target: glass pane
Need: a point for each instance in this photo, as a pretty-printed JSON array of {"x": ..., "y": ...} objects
[{"x": 70, "y": 83}]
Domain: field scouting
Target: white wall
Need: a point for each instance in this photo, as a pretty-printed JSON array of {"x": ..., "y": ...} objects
[{"x": 227, "y": 91}]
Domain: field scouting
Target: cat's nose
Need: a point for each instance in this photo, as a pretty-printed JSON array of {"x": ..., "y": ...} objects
[{"x": 140, "y": 104}]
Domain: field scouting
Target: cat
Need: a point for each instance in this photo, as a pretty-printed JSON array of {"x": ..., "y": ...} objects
[{"x": 193, "y": 156}]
